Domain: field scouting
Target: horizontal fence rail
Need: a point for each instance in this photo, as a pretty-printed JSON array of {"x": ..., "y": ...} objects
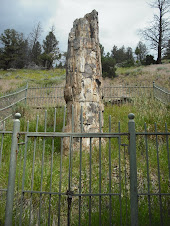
[
  {"x": 161, "y": 94},
  {"x": 121, "y": 179},
  {"x": 45, "y": 96},
  {"x": 8, "y": 103},
  {"x": 53, "y": 96}
]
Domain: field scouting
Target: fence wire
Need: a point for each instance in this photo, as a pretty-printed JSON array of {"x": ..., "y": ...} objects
[
  {"x": 9, "y": 102},
  {"x": 44, "y": 97}
]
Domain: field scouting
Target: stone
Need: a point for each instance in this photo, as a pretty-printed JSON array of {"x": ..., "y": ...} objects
[{"x": 83, "y": 77}]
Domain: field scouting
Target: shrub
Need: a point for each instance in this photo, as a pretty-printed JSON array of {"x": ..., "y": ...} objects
[{"x": 108, "y": 67}]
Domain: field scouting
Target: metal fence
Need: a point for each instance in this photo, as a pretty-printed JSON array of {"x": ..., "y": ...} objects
[
  {"x": 9, "y": 101},
  {"x": 53, "y": 96},
  {"x": 161, "y": 94},
  {"x": 121, "y": 180}
]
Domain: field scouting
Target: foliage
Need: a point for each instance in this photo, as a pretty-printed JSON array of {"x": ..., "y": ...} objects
[
  {"x": 123, "y": 57},
  {"x": 149, "y": 60},
  {"x": 36, "y": 52},
  {"x": 18, "y": 52},
  {"x": 34, "y": 44},
  {"x": 51, "y": 50},
  {"x": 108, "y": 66},
  {"x": 14, "y": 52},
  {"x": 141, "y": 52},
  {"x": 101, "y": 49}
]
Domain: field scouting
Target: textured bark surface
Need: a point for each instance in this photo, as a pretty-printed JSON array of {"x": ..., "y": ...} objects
[{"x": 84, "y": 75}]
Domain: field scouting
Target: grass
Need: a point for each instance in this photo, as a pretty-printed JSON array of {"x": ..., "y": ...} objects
[
  {"x": 10, "y": 80},
  {"x": 144, "y": 75},
  {"x": 47, "y": 151}
]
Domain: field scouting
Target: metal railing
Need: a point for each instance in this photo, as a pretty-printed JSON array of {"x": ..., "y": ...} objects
[
  {"x": 53, "y": 96},
  {"x": 9, "y": 101},
  {"x": 161, "y": 94},
  {"x": 99, "y": 185}
]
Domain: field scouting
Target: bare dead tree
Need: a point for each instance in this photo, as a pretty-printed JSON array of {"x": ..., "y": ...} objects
[
  {"x": 35, "y": 34},
  {"x": 159, "y": 30},
  {"x": 34, "y": 44}
]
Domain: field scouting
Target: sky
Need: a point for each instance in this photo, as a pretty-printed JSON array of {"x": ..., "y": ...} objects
[{"x": 119, "y": 20}]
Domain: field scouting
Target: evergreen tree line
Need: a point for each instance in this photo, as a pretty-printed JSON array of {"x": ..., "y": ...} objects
[
  {"x": 18, "y": 52},
  {"x": 125, "y": 57}
]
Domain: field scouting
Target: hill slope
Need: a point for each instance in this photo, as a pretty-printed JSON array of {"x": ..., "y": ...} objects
[{"x": 144, "y": 75}]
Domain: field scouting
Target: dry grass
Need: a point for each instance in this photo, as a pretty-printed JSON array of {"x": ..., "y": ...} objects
[
  {"x": 9, "y": 85},
  {"x": 143, "y": 75}
]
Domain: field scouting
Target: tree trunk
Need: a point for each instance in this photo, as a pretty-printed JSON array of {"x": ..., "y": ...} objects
[
  {"x": 159, "y": 59},
  {"x": 160, "y": 38}
]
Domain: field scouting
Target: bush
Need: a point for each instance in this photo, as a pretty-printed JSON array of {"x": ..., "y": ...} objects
[
  {"x": 149, "y": 60},
  {"x": 127, "y": 63},
  {"x": 108, "y": 67}
]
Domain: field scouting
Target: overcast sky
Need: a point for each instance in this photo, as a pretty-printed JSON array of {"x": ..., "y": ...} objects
[{"x": 119, "y": 20}]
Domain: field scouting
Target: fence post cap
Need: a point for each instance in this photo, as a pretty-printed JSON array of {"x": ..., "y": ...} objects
[
  {"x": 131, "y": 116},
  {"x": 17, "y": 115}
]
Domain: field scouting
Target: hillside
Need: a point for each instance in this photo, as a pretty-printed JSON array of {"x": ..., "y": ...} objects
[{"x": 144, "y": 75}]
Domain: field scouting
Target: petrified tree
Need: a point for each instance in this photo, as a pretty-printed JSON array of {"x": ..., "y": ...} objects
[{"x": 84, "y": 75}]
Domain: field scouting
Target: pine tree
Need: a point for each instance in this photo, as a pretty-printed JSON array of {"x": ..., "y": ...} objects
[
  {"x": 12, "y": 53},
  {"x": 51, "y": 50},
  {"x": 141, "y": 52},
  {"x": 36, "y": 52}
]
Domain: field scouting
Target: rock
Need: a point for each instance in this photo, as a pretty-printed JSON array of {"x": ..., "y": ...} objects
[
  {"x": 8, "y": 74},
  {"x": 18, "y": 76},
  {"x": 84, "y": 76},
  {"x": 11, "y": 69}
]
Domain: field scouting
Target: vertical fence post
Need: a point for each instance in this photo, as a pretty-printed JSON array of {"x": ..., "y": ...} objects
[
  {"x": 26, "y": 90},
  {"x": 133, "y": 171},
  {"x": 153, "y": 89},
  {"x": 12, "y": 171}
]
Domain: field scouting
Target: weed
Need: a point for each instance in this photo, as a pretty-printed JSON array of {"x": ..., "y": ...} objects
[{"x": 161, "y": 69}]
